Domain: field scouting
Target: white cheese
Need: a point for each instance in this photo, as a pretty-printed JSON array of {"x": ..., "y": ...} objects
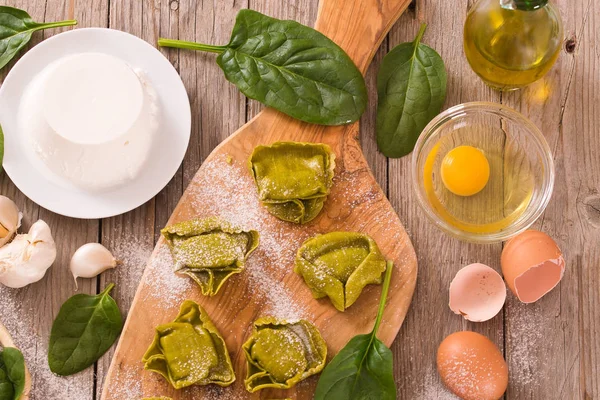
[
  {"x": 91, "y": 118},
  {"x": 92, "y": 98}
]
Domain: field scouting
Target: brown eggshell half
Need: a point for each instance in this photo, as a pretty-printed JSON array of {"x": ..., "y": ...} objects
[
  {"x": 532, "y": 265},
  {"x": 472, "y": 367},
  {"x": 477, "y": 292}
]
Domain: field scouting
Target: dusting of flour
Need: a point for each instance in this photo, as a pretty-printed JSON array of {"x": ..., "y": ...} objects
[
  {"x": 21, "y": 323},
  {"x": 226, "y": 190},
  {"x": 235, "y": 199}
]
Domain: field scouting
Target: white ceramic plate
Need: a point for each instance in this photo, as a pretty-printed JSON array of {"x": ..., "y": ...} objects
[{"x": 50, "y": 191}]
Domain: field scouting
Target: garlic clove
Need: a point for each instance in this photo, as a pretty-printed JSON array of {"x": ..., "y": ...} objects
[
  {"x": 10, "y": 219},
  {"x": 26, "y": 259},
  {"x": 91, "y": 260}
]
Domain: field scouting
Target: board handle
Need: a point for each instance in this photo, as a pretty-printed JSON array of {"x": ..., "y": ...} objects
[{"x": 359, "y": 26}]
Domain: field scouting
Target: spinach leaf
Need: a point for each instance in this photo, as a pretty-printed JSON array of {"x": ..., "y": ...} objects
[
  {"x": 7, "y": 390},
  {"x": 411, "y": 88},
  {"x": 15, "y": 369},
  {"x": 12, "y": 374},
  {"x": 16, "y": 27},
  {"x": 363, "y": 369},
  {"x": 1, "y": 147},
  {"x": 84, "y": 329},
  {"x": 290, "y": 67}
]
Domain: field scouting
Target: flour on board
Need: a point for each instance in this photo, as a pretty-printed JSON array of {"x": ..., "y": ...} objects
[{"x": 235, "y": 199}]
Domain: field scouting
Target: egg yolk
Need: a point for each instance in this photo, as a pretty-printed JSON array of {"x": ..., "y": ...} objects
[{"x": 465, "y": 170}]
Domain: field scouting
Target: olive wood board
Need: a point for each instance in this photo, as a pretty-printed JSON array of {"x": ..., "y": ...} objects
[{"x": 223, "y": 186}]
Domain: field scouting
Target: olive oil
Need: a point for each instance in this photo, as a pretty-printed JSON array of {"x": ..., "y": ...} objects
[{"x": 512, "y": 43}]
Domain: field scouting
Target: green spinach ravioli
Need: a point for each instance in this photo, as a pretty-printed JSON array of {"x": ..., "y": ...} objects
[
  {"x": 293, "y": 178},
  {"x": 209, "y": 250},
  {"x": 190, "y": 350},
  {"x": 339, "y": 265},
  {"x": 279, "y": 354}
]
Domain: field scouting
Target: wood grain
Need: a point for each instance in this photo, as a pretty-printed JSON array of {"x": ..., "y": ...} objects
[
  {"x": 551, "y": 346},
  {"x": 355, "y": 203},
  {"x": 444, "y": 255},
  {"x": 39, "y": 303},
  {"x": 137, "y": 18},
  {"x": 565, "y": 105}
]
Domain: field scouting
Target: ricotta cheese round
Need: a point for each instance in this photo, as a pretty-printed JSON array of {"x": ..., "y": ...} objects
[
  {"x": 91, "y": 118},
  {"x": 92, "y": 98}
]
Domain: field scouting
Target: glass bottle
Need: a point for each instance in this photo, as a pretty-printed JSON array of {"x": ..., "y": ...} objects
[{"x": 512, "y": 43}]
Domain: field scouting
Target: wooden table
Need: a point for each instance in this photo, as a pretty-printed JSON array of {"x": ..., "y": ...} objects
[{"x": 552, "y": 347}]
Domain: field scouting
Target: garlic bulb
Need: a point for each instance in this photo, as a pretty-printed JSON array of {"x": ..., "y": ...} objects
[
  {"x": 91, "y": 260},
  {"x": 10, "y": 219},
  {"x": 26, "y": 259}
]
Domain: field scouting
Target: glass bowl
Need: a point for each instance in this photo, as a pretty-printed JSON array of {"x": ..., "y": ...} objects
[{"x": 521, "y": 172}]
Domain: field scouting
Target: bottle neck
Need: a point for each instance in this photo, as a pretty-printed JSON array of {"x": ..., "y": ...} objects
[{"x": 523, "y": 5}]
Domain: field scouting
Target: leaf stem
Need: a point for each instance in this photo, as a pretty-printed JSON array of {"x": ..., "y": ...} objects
[
  {"x": 182, "y": 44},
  {"x": 107, "y": 289},
  {"x": 384, "y": 293},
  {"x": 58, "y": 24},
  {"x": 421, "y": 33}
]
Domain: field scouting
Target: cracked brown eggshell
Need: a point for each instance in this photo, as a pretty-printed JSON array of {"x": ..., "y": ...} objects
[
  {"x": 477, "y": 292},
  {"x": 532, "y": 264}
]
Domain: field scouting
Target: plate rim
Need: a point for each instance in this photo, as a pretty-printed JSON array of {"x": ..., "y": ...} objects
[{"x": 183, "y": 114}]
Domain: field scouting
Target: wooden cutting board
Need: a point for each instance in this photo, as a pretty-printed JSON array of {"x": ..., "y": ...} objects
[{"x": 268, "y": 286}]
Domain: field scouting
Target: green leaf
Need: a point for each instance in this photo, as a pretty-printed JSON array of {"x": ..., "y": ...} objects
[
  {"x": 12, "y": 374},
  {"x": 290, "y": 67},
  {"x": 1, "y": 147},
  {"x": 7, "y": 389},
  {"x": 363, "y": 369},
  {"x": 15, "y": 370},
  {"x": 16, "y": 27},
  {"x": 85, "y": 328},
  {"x": 411, "y": 88}
]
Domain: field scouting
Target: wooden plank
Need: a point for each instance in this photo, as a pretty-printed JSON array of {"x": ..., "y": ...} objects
[
  {"x": 218, "y": 108},
  {"x": 29, "y": 312},
  {"x": 377, "y": 161},
  {"x": 429, "y": 319},
  {"x": 130, "y": 236},
  {"x": 552, "y": 349},
  {"x": 166, "y": 17}
]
